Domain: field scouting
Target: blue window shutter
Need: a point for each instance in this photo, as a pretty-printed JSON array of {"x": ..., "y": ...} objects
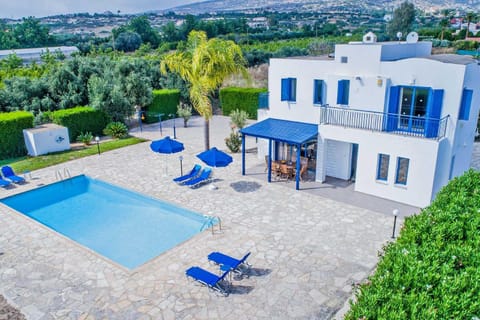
[
  {"x": 285, "y": 89},
  {"x": 393, "y": 103},
  {"x": 346, "y": 91},
  {"x": 318, "y": 91},
  {"x": 464, "y": 113},
  {"x": 434, "y": 112},
  {"x": 341, "y": 91},
  {"x": 293, "y": 89}
]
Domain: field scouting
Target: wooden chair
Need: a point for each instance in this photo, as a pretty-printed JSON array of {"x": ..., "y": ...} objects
[
  {"x": 286, "y": 171},
  {"x": 276, "y": 170},
  {"x": 303, "y": 168}
]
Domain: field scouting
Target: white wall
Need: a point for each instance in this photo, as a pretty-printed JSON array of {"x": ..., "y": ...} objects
[
  {"x": 421, "y": 171},
  {"x": 362, "y": 59},
  {"x": 465, "y": 130}
]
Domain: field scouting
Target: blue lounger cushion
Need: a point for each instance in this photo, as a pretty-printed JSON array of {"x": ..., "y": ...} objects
[
  {"x": 207, "y": 278},
  {"x": 192, "y": 174},
  {"x": 4, "y": 183},
  {"x": 226, "y": 260},
  {"x": 8, "y": 173},
  {"x": 202, "y": 178}
]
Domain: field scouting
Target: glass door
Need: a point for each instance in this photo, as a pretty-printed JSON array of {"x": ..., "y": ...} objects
[{"x": 413, "y": 109}]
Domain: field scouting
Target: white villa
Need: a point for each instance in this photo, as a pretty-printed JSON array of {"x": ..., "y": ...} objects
[{"x": 391, "y": 117}]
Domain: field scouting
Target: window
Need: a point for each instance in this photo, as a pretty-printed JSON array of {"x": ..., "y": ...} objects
[
  {"x": 464, "y": 113},
  {"x": 318, "y": 92},
  {"x": 402, "y": 170},
  {"x": 382, "y": 167},
  {"x": 343, "y": 91},
  {"x": 289, "y": 89},
  {"x": 414, "y": 109},
  {"x": 344, "y": 59}
]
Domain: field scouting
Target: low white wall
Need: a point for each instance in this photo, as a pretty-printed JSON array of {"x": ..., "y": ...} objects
[{"x": 421, "y": 171}]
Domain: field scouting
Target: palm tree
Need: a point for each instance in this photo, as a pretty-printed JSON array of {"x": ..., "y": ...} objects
[
  {"x": 469, "y": 16},
  {"x": 445, "y": 22},
  {"x": 204, "y": 65}
]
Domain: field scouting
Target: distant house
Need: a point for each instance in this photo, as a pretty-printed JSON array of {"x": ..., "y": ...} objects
[
  {"x": 389, "y": 117},
  {"x": 33, "y": 54}
]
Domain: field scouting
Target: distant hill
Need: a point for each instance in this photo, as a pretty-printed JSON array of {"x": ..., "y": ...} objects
[{"x": 215, "y": 6}]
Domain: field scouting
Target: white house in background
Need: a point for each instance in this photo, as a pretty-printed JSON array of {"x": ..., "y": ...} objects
[
  {"x": 30, "y": 55},
  {"x": 392, "y": 118}
]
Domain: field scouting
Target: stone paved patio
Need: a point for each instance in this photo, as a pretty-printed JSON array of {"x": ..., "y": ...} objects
[{"x": 307, "y": 250}]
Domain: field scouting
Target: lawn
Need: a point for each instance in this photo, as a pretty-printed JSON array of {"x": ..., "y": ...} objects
[{"x": 23, "y": 164}]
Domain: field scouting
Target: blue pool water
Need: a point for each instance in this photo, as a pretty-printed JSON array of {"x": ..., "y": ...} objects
[{"x": 122, "y": 225}]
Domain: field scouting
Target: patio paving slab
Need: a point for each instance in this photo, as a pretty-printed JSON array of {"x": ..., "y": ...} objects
[{"x": 307, "y": 250}]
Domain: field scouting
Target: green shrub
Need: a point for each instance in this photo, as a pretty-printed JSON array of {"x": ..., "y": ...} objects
[
  {"x": 85, "y": 138},
  {"x": 43, "y": 117},
  {"x": 81, "y": 119},
  {"x": 238, "y": 118},
  {"x": 164, "y": 101},
  {"x": 12, "y": 143},
  {"x": 116, "y": 130},
  {"x": 234, "y": 141},
  {"x": 184, "y": 111},
  {"x": 245, "y": 99},
  {"x": 432, "y": 271}
]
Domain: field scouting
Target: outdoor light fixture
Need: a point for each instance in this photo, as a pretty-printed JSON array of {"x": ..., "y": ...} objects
[
  {"x": 181, "y": 165},
  {"x": 97, "y": 140},
  {"x": 160, "y": 121},
  {"x": 141, "y": 117},
  {"x": 395, "y": 214},
  {"x": 174, "y": 131}
]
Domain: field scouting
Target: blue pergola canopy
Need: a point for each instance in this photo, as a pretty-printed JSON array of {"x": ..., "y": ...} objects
[{"x": 291, "y": 132}]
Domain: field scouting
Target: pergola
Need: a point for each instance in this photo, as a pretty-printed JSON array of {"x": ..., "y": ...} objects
[{"x": 291, "y": 132}]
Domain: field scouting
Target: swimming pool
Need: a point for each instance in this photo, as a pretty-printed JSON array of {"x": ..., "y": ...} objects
[{"x": 124, "y": 226}]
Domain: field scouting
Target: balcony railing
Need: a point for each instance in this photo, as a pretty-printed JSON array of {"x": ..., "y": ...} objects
[
  {"x": 263, "y": 100},
  {"x": 384, "y": 122}
]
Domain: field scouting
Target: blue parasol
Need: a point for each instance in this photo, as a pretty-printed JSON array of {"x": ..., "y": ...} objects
[
  {"x": 166, "y": 146},
  {"x": 215, "y": 158}
]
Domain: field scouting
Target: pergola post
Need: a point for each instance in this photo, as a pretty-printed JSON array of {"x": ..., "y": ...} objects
[
  {"x": 269, "y": 160},
  {"x": 297, "y": 175},
  {"x": 243, "y": 154}
]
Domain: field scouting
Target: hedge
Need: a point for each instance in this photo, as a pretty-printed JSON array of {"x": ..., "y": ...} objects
[
  {"x": 12, "y": 143},
  {"x": 81, "y": 119},
  {"x": 432, "y": 271},
  {"x": 164, "y": 101},
  {"x": 246, "y": 99}
]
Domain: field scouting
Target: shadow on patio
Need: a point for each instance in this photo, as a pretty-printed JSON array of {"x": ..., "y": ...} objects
[{"x": 338, "y": 190}]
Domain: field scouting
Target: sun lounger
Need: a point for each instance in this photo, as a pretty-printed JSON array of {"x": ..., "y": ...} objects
[
  {"x": 202, "y": 178},
  {"x": 192, "y": 174},
  {"x": 239, "y": 266},
  {"x": 4, "y": 183},
  {"x": 212, "y": 281},
  {"x": 8, "y": 173}
]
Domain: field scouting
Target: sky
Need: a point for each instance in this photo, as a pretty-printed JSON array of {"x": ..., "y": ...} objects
[{"x": 40, "y": 8}]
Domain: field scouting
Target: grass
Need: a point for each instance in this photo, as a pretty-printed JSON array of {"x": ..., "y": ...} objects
[{"x": 22, "y": 164}]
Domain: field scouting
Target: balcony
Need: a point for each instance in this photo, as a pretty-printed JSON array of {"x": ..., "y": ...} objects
[
  {"x": 428, "y": 128},
  {"x": 263, "y": 100}
]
